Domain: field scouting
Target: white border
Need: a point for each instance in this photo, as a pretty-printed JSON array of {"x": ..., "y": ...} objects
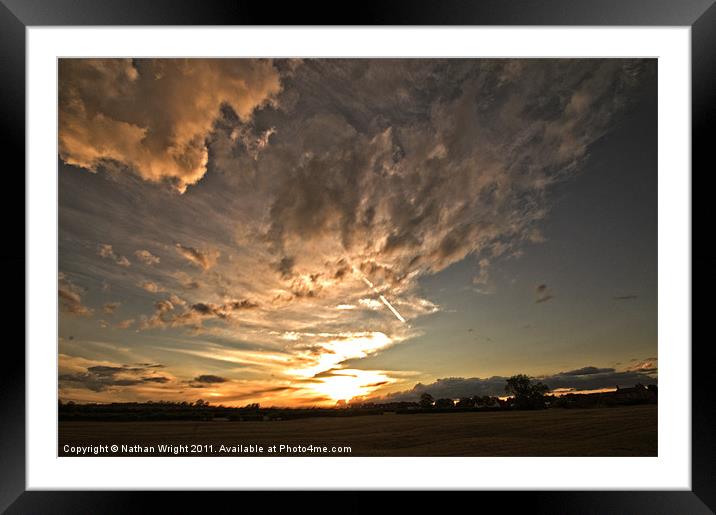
[{"x": 671, "y": 470}]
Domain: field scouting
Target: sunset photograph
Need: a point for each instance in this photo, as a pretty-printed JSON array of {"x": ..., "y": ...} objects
[{"x": 357, "y": 257}]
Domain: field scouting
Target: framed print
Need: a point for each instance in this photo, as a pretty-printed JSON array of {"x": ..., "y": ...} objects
[{"x": 432, "y": 247}]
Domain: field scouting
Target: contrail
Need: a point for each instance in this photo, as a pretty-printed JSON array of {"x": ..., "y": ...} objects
[
  {"x": 381, "y": 297},
  {"x": 395, "y": 311}
]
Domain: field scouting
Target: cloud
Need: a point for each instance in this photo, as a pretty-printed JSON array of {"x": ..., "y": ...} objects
[
  {"x": 315, "y": 364},
  {"x": 210, "y": 379},
  {"x": 110, "y": 307},
  {"x": 166, "y": 313},
  {"x": 542, "y": 294},
  {"x": 340, "y": 171},
  {"x": 186, "y": 281},
  {"x": 151, "y": 287},
  {"x": 586, "y": 378},
  {"x": 222, "y": 310},
  {"x": 161, "y": 316},
  {"x": 584, "y": 371},
  {"x": 371, "y": 303},
  {"x": 106, "y": 251},
  {"x": 646, "y": 366},
  {"x": 86, "y": 380},
  {"x": 202, "y": 259},
  {"x": 430, "y": 187},
  {"x": 152, "y": 116},
  {"x": 125, "y": 324},
  {"x": 482, "y": 281},
  {"x": 146, "y": 257},
  {"x": 424, "y": 164},
  {"x": 625, "y": 297},
  {"x": 101, "y": 377},
  {"x": 70, "y": 297},
  {"x": 285, "y": 266},
  {"x": 484, "y": 276}
]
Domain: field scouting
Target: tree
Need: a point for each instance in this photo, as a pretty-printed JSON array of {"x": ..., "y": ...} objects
[
  {"x": 444, "y": 403},
  {"x": 484, "y": 401},
  {"x": 466, "y": 402},
  {"x": 527, "y": 393},
  {"x": 426, "y": 400}
]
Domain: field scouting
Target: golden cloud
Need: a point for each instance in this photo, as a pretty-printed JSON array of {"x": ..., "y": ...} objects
[{"x": 153, "y": 116}]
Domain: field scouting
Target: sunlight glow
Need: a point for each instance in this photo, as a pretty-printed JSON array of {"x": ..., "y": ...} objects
[
  {"x": 346, "y": 384},
  {"x": 325, "y": 374}
]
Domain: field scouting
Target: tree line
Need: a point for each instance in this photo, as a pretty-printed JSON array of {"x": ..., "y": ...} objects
[{"x": 524, "y": 392}]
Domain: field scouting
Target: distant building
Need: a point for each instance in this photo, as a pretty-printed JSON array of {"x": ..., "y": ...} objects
[{"x": 636, "y": 393}]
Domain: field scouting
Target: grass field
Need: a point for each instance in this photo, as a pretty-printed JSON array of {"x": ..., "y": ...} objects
[{"x": 619, "y": 431}]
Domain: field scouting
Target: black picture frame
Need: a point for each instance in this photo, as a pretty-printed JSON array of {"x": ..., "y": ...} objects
[{"x": 17, "y": 15}]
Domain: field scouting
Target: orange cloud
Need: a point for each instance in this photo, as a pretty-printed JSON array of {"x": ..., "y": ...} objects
[
  {"x": 152, "y": 116},
  {"x": 70, "y": 297},
  {"x": 202, "y": 259}
]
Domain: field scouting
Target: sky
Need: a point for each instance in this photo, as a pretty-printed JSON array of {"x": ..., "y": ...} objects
[{"x": 302, "y": 232}]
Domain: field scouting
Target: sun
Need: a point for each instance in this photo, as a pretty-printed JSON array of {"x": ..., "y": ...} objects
[{"x": 346, "y": 384}]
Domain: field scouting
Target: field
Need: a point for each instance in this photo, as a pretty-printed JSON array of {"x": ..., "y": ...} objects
[{"x": 619, "y": 431}]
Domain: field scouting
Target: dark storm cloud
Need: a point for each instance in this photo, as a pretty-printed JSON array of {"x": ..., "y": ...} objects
[
  {"x": 454, "y": 387},
  {"x": 586, "y": 378},
  {"x": 210, "y": 379},
  {"x": 222, "y": 310},
  {"x": 207, "y": 380},
  {"x": 586, "y": 371},
  {"x": 599, "y": 380},
  {"x": 99, "y": 378},
  {"x": 155, "y": 379}
]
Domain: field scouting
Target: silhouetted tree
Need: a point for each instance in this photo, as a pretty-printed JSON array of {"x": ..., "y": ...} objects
[
  {"x": 426, "y": 400},
  {"x": 482, "y": 401},
  {"x": 466, "y": 402},
  {"x": 444, "y": 403},
  {"x": 528, "y": 394}
]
